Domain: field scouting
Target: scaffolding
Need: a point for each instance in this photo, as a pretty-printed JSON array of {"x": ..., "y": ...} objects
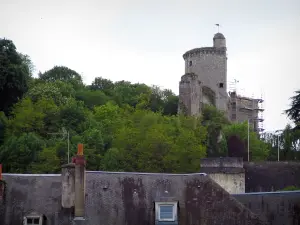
[
  {"x": 247, "y": 109},
  {"x": 259, "y": 111}
]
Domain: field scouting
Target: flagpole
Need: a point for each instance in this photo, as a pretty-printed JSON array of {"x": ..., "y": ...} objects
[{"x": 218, "y": 25}]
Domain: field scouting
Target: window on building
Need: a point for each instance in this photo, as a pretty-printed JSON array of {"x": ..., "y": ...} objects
[
  {"x": 221, "y": 85},
  {"x": 166, "y": 211},
  {"x": 190, "y": 63},
  {"x": 233, "y": 116},
  {"x": 34, "y": 218},
  {"x": 33, "y": 221}
]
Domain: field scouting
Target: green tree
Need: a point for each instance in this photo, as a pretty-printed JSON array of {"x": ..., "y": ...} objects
[
  {"x": 18, "y": 153},
  {"x": 40, "y": 117},
  {"x": 104, "y": 85},
  {"x": 294, "y": 111},
  {"x": 156, "y": 143},
  {"x": 259, "y": 149},
  {"x": 62, "y": 73},
  {"x": 215, "y": 121},
  {"x": 46, "y": 162},
  {"x": 46, "y": 91},
  {"x": 14, "y": 75},
  {"x": 92, "y": 98}
]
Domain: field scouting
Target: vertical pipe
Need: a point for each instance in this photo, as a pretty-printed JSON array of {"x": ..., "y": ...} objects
[
  {"x": 248, "y": 141},
  {"x": 278, "y": 147},
  {"x": 68, "y": 148},
  {"x": 79, "y": 182}
]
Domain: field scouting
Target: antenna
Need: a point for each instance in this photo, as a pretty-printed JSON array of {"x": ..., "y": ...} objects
[
  {"x": 218, "y": 25},
  {"x": 65, "y": 134}
]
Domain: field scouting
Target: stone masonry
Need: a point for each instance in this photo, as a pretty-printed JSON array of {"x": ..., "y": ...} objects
[{"x": 205, "y": 82}]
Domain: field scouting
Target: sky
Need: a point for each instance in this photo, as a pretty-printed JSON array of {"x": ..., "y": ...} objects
[{"x": 144, "y": 40}]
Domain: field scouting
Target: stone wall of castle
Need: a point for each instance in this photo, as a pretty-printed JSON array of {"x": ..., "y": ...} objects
[{"x": 209, "y": 64}]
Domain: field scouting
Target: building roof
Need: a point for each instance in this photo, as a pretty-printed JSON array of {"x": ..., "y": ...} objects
[{"x": 219, "y": 36}]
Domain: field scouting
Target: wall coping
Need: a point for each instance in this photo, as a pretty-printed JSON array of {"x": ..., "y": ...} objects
[
  {"x": 268, "y": 193},
  {"x": 105, "y": 172}
]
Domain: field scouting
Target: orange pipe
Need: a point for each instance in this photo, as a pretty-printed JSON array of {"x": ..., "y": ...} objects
[{"x": 80, "y": 149}]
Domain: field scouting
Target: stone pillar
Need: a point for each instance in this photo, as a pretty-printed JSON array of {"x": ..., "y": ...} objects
[
  {"x": 79, "y": 161},
  {"x": 68, "y": 185}
]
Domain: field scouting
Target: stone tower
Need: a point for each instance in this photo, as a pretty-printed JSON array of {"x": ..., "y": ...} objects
[{"x": 205, "y": 78}]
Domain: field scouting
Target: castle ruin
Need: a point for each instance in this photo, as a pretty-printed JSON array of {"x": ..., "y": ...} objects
[{"x": 205, "y": 82}]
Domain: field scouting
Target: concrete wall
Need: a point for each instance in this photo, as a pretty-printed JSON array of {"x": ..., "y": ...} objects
[
  {"x": 233, "y": 183},
  {"x": 271, "y": 176},
  {"x": 33, "y": 193},
  {"x": 277, "y": 208},
  {"x": 228, "y": 172},
  {"x": 124, "y": 198}
]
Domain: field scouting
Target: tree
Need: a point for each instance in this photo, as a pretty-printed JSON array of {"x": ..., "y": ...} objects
[
  {"x": 39, "y": 117},
  {"x": 62, "y": 73},
  {"x": 155, "y": 143},
  {"x": 214, "y": 120},
  {"x": 92, "y": 98},
  {"x": 258, "y": 149},
  {"x": 294, "y": 112},
  {"x": 14, "y": 75},
  {"x": 19, "y": 153},
  {"x": 47, "y": 91},
  {"x": 102, "y": 84}
]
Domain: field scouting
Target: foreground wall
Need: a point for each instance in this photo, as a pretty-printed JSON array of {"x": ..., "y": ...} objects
[
  {"x": 123, "y": 199},
  {"x": 271, "y": 176},
  {"x": 25, "y": 194},
  {"x": 228, "y": 172},
  {"x": 278, "y": 208}
]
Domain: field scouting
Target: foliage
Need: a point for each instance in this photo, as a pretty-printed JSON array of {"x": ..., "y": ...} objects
[
  {"x": 258, "y": 149},
  {"x": 124, "y": 126},
  {"x": 291, "y": 188},
  {"x": 14, "y": 75},
  {"x": 215, "y": 121},
  {"x": 62, "y": 73},
  {"x": 294, "y": 111},
  {"x": 287, "y": 141},
  {"x": 19, "y": 153}
]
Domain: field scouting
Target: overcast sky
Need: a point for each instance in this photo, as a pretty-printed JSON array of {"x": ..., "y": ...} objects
[{"x": 144, "y": 40}]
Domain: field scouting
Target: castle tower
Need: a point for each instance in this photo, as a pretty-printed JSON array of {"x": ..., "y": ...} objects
[
  {"x": 208, "y": 66},
  {"x": 219, "y": 41}
]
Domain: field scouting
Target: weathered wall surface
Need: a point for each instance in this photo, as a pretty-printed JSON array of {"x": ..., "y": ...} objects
[
  {"x": 271, "y": 176},
  {"x": 128, "y": 198},
  {"x": 189, "y": 95},
  {"x": 228, "y": 172},
  {"x": 278, "y": 208},
  {"x": 125, "y": 199},
  {"x": 233, "y": 183},
  {"x": 210, "y": 65},
  {"x": 38, "y": 193}
]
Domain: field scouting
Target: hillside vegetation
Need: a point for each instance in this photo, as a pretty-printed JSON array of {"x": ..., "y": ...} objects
[{"x": 124, "y": 126}]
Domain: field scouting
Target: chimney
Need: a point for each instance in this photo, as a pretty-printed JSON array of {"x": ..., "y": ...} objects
[
  {"x": 79, "y": 161},
  {"x": 68, "y": 186}
]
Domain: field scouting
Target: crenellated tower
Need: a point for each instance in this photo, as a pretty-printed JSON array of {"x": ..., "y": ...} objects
[{"x": 205, "y": 79}]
